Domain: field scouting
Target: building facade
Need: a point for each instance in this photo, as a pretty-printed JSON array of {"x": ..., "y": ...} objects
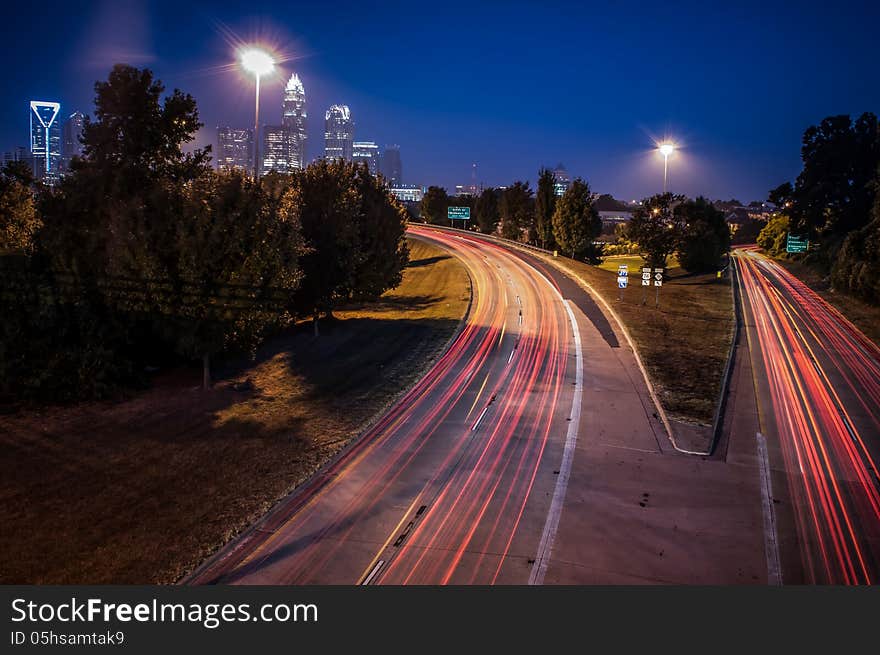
[
  {"x": 275, "y": 155},
  {"x": 293, "y": 118},
  {"x": 235, "y": 149},
  {"x": 71, "y": 142},
  {"x": 45, "y": 140},
  {"x": 367, "y": 152},
  {"x": 408, "y": 192},
  {"x": 561, "y": 180},
  {"x": 392, "y": 168},
  {"x": 338, "y": 133}
]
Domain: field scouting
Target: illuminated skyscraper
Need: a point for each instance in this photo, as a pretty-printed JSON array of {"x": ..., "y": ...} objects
[
  {"x": 294, "y": 119},
  {"x": 276, "y": 151},
  {"x": 71, "y": 143},
  {"x": 235, "y": 149},
  {"x": 45, "y": 140},
  {"x": 561, "y": 180},
  {"x": 392, "y": 169},
  {"x": 366, "y": 152},
  {"x": 338, "y": 133}
]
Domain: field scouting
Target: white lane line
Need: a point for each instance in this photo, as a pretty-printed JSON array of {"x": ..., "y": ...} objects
[
  {"x": 512, "y": 353},
  {"x": 545, "y": 548},
  {"x": 479, "y": 418},
  {"x": 373, "y": 573},
  {"x": 771, "y": 545}
]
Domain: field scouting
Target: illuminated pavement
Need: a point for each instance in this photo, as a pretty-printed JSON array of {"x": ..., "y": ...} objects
[
  {"x": 504, "y": 466},
  {"x": 817, "y": 383}
]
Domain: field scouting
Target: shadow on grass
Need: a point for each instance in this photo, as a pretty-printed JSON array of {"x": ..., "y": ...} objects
[{"x": 426, "y": 261}]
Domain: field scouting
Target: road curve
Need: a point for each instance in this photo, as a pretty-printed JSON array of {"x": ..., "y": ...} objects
[
  {"x": 456, "y": 482},
  {"x": 817, "y": 379}
]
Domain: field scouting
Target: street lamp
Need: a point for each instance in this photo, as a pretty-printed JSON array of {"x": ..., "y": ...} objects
[
  {"x": 665, "y": 149},
  {"x": 260, "y": 63}
]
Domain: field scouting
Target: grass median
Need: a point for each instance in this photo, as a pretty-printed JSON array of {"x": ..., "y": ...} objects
[{"x": 141, "y": 491}]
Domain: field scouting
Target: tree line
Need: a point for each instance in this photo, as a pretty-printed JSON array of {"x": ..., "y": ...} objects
[
  {"x": 835, "y": 203},
  {"x": 662, "y": 225},
  {"x": 144, "y": 254}
]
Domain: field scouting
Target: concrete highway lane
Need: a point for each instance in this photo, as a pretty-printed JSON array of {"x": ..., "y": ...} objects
[
  {"x": 818, "y": 387},
  {"x": 459, "y": 481}
]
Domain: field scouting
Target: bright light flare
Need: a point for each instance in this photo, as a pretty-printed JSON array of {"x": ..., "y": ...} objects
[
  {"x": 257, "y": 61},
  {"x": 666, "y": 149}
]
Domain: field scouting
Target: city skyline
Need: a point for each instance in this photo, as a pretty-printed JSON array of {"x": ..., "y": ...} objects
[{"x": 739, "y": 129}]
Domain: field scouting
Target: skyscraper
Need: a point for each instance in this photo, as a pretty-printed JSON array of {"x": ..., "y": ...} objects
[
  {"x": 392, "y": 169},
  {"x": 338, "y": 133},
  {"x": 276, "y": 151},
  {"x": 294, "y": 119},
  {"x": 366, "y": 152},
  {"x": 45, "y": 140},
  {"x": 561, "y": 180},
  {"x": 235, "y": 149},
  {"x": 71, "y": 143}
]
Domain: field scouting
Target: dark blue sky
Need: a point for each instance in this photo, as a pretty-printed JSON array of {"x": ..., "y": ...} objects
[{"x": 509, "y": 85}]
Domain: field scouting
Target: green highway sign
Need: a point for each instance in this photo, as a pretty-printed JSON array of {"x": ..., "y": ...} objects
[
  {"x": 796, "y": 244},
  {"x": 458, "y": 212}
]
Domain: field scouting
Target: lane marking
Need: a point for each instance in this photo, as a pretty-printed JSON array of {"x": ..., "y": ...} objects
[
  {"x": 480, "y": 418},
  {"x": 771, "y": 544},
  {"x": 512, "y": 353},
  {"x": 545, "y": 548},
  {"x": 373, "y": 573}
]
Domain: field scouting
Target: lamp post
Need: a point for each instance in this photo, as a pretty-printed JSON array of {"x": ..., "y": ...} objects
[
  {"x": 665, "y": 149},
  {"x": 260, "y": 63}
]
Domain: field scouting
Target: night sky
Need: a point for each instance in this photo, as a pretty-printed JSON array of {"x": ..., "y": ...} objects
[{"x": 508, "y": 85}]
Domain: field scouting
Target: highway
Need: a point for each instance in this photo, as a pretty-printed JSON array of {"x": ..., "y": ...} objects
[
  {"x": 460, "y": 481},
  {"x": 817, "y": 383}
]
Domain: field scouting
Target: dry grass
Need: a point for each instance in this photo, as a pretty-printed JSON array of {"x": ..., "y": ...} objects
[
  {"x": 863, "y": 315},
  {"x": 143, "y": 490},
  {"x": 684, "y": 343}
]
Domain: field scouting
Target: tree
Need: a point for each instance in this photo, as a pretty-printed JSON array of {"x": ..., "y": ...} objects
[
  {"x": 833, "y": 193},
  {"x": 19, "y": 221},
  {"x": 705, "y": 237},
  {"x": 516, "y": 208},
  {"x": 656, "y": 229},
  {"x": 434, "y": 206},
  {"x": 545, "y": 206},
  {"x": 781, "y": 195},
  {"x": 330, "y": 202},
  {"x": 857, "y": 267},
  {"x": 576, "y": 223},
  {"x": 486, "y": 211},
  {"x": 772, "y": 236}
]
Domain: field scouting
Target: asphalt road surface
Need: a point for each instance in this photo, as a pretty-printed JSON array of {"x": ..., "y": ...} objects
[{"x": 817, "y": 383}]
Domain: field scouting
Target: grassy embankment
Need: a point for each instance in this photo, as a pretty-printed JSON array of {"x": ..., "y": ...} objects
[
  {"x": 143, "y": 490},
  {"x": 684, "y": 343}
]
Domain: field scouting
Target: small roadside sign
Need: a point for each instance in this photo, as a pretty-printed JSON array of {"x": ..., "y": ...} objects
[
  {"x": 646, "y": 277},
  {"x": 622, "y": 276},
  {"x": 658, "y": 277},
  {"x": 796, "y": 244}
]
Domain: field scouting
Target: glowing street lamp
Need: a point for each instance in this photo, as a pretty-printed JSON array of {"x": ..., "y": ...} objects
[
  {"x": 259, "y": 63},
  {"x": 665, "y": 149}
]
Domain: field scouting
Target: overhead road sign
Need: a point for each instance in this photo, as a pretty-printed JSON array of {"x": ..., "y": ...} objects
[
  {"x": 796, "y": 244},
  {"x": 458, "y": 212}
]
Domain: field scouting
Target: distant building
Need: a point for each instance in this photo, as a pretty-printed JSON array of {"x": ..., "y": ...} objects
[
  {"x": 338, "y": 133},
  {"x": 561, "y": 180},
  {"x": 275, "y": 154},
  {"x": 19, "y": 154},
  {"x": 71, "y": 142},
  {"x": 45, "y": 140},
  {"x": 294, "y": 119},
  {"x": 467, "y": 190},
  {"x": 235, "y": 149},
  {"x": 366, "y": 152},
  {"x": 392, "y": 168},
  {"x": 408, "y": 193},
  {"x": 614, "y": 217}
]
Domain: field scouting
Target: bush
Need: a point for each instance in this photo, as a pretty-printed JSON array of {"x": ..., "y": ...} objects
[
  {"x": 857, "y": 267},
  {"x": 773, "y": 236}
]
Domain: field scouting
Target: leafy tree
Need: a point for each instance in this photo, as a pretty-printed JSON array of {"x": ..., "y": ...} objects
[
  {"x": 545, "y": 206},
  {"x": 486, "y": 211},
  {"x": 19, "y": 221},
  {"x": 330, "y": 202},
  {"x": 656, "y": 228},
  {"x": 705, "y": 237},
  {"x": 781, "y": 195},
  {"x": 833, "y": 193},
  {"x": 773, "y": 236},
  {"x": 434, "y": 206},
  {"x": 382, "y": 248},
  {"x": 516, "y": 208},
  {"x": 576, "y": 223},
  {"x": 857, "y": 267}
]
